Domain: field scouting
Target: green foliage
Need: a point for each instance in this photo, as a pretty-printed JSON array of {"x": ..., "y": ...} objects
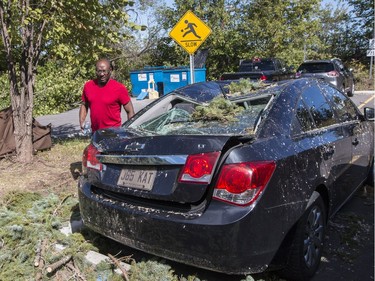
[
  {"x": 219, "y": 109},
  {"x": 291, "y": 30},
  {"x": 244, "y": 29},
  {"x": 361, "y": 76},
  {"x": 357, "y": 30},
  {"x": 152, "y": 270},
  {"x": 20, "y": 201},
  {"x": 244, "y": 86},
  {"x": 28, "y": 218},
  {"x": 4, "y": 91},
  {"x": 58, "y": 88},
  {"x": 30, "y": 221}
]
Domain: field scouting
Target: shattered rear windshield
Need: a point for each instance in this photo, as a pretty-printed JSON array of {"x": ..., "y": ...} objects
[
  {"x": 237, "y": 109},
  {"x": 224, "y": 118}
]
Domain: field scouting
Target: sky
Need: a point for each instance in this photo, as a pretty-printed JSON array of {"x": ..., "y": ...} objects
[{"x": 169, "y": 3}]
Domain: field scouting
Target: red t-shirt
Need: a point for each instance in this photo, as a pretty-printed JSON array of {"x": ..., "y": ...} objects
[{"x": 105, "y": 103}]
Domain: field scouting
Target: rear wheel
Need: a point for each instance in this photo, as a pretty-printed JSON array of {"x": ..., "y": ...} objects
[
  {"x": 370, "y": 176},
  {"x": 304, "y": 257}
]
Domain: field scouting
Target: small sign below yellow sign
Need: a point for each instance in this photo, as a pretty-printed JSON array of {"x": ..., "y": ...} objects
[{"x": 190, "y": 32}]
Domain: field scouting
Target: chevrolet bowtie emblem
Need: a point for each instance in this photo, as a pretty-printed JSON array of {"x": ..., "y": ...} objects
[{"x": 134, "y": 146}]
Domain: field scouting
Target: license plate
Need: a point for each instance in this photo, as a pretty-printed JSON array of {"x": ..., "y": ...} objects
[{"x": 141, "y": 179}]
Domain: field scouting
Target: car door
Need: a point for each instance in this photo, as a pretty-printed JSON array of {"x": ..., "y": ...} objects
[
  {"x": 335, "y": 143},
  {"x": 357, "y": 135}
]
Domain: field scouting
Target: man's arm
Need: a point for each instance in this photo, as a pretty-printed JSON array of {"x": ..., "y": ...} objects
[
  {"x": 129, "y": 109},
  {"x": 82, "y": 114}
]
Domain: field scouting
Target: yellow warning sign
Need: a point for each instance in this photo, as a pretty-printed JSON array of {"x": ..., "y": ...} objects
[{"x": 190, "y": 32}]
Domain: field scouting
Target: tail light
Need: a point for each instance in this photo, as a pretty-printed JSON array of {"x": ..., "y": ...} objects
[
  {"x": 89, "y": 159},
  {"x": 333, "y": 73},
  {"x": 241, "y": 184},
  {"x": 199, "y": 168},
  {"x": 263, "y": 77}
]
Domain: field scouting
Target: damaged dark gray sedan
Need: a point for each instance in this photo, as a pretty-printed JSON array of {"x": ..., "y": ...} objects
[{"x": 236, "y": 182}]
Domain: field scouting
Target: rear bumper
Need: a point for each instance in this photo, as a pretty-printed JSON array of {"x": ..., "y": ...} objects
[{"x": 219, "y": 240}]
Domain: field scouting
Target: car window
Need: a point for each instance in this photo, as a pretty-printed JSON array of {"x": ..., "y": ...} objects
[
  {"x": 257, "y": 66},
  {"x": 316, "y": 67},
  {"x": 342, "y": 105},
  {"x": 318, "y": 107},
  {"x": 304, "y": 117},
  {"x": 180, "y": 120}
]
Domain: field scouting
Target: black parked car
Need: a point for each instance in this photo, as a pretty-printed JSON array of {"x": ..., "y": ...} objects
[
  {"x": 264, "y": 69},
  {"x": 239, "y": 185},
  {"x": 332, "y": 71}
]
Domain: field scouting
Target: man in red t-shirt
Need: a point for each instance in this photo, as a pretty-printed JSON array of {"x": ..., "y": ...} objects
[{"x": 104, "y": 97}]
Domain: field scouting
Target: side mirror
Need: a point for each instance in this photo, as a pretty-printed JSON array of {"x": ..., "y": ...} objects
[{"x": 369, "y": 113}]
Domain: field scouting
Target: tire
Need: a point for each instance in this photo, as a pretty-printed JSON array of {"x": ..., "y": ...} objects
[
  {"x": 308, "y": 241},
  {"x": 370, "y": 177}
]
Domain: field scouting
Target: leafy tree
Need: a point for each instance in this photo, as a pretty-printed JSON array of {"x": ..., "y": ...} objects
[
  {"x": 246, "y": 28},
  {"x": 344, "y": 31},
  {"x": 135, "y": 52},
  {"x": 276, "y": 28},
  {"x": 58, "y": 87},
  {"x": 361, "y": 16},
  {"x": 221, "y": 42},
  {"x": 34, "y": 31}
]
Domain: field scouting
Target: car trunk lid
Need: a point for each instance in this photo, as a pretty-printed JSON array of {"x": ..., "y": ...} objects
[{"x": 150, "y": 168}]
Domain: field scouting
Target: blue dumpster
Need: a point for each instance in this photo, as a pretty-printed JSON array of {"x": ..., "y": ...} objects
[
  {"x": 139, "y": 78},
  {"x": 166, "y": 79}
]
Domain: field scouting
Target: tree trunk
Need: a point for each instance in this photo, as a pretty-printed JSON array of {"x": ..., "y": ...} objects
[
  {"x": 22, "y": 82},
  {"x": 22, "y": 118}
]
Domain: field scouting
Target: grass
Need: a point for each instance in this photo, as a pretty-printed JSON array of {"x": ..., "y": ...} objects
[{"x": 54, "y": 170}]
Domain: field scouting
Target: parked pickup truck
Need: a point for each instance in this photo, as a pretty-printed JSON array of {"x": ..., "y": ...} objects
[{"x": 265, "y": 69}]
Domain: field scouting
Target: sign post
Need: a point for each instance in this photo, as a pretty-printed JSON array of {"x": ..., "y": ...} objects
[
  {"x": 190, "y": 32},
  {"x": 371, "y": 53}
]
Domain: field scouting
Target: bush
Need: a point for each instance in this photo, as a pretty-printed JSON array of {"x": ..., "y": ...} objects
[
  {"x": 4, "y": 91},
  {"x": 361, "y": 76},
  {"x": 58, "y": 88}
]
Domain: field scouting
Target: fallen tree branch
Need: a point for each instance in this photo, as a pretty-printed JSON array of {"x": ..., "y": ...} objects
[
  {"x": 76, "y": 270},
  {"x": 38, "y": 252},
  {"x": 39, "y": 275},
  {"x": 117, "y": 263},
  {"x": 59, "y": 263},
  {"x": 61, "y": 203}
]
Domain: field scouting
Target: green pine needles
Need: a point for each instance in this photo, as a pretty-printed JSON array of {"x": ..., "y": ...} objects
[
  {"x": 245, "y": 86},
  {"x": 219, "y": 109}
]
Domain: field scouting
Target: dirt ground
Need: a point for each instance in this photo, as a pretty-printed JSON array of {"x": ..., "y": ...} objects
[
  {"x": 54, "y": 170},
  {"x": 349, "y": 252}
]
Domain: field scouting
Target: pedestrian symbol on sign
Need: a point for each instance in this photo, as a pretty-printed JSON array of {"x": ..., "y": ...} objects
[
  {"x": 190, "y": 32},
  {"x": 190, "y": 27}
]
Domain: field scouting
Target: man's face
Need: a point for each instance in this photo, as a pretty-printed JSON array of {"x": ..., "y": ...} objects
[{"x": 103, "y": 72}]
